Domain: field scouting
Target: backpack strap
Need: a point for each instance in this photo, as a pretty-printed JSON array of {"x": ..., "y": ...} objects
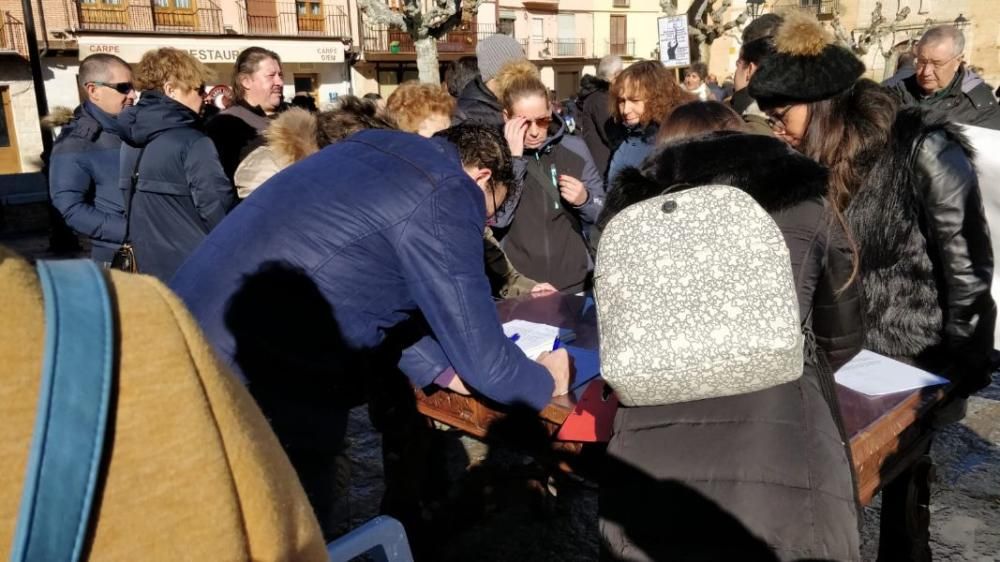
[{"x": 73, "y": 402}]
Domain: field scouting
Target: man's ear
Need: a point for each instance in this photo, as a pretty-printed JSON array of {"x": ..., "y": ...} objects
[{"x": 482, "y": 177}]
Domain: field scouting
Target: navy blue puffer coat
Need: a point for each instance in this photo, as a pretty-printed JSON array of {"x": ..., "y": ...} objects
[
  {"x": 83, "y": 179},
  {"x": 385, "y": 229},
  {"x": 182, "y": 192}
]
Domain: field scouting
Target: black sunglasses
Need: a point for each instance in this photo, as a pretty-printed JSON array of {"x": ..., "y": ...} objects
[{"x": 120, "y": 87}]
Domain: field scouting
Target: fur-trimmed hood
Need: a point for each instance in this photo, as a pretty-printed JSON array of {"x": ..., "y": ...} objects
[
  {"x": 292, "y": 136},
  {"x": 766, "y": 168}
]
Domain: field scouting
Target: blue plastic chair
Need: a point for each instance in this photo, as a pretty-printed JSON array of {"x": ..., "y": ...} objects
[{"x": 383, "y": 538}]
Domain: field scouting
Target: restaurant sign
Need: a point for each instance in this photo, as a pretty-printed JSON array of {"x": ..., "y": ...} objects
[{"x": 222, "y": 50}]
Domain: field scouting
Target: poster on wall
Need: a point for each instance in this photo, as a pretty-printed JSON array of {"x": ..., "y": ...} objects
[{"x": 675, "y": 49}]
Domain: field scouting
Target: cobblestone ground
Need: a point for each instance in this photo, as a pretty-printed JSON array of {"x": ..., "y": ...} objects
[{"x": 511, "y": 523}]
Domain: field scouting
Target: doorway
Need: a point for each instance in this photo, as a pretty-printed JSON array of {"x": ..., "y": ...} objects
[
  {"x": 10, "y": 158},
  {"x": 567, "y": 83}
]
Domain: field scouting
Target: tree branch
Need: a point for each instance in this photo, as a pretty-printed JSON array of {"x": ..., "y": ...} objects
[{"x": 378, "y": 12}]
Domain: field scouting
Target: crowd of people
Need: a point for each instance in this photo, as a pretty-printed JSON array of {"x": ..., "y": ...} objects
[{"x": 370, "y": 239}]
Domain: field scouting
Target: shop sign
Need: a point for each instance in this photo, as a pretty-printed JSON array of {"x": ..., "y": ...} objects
[{"x": 218, "y": 50}]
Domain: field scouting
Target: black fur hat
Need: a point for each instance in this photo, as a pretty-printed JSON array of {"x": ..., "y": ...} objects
[{"x": 807, "y": 65}]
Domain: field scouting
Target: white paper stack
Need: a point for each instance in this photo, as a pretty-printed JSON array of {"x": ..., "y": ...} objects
[
  {"x": 875, "y": 375},
  {"x": 534, "y": 338}
]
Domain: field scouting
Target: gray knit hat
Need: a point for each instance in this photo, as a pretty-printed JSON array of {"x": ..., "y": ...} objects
[{"x": 496, "y": 51}]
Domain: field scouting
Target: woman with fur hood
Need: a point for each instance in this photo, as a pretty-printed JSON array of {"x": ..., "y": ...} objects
[
  {"x": 907, "y": 184},
  {"x": 759, "y": 476},
  {"x": 908, "y": 187}
]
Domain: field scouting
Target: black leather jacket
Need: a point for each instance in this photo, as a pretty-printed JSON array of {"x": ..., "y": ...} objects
[{"x": 927, "y": 259}]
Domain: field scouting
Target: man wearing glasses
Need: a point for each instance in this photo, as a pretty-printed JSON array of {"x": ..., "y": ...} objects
[
  {"x": 83, "y": 171},
  {"x": 943, "y": 83}
]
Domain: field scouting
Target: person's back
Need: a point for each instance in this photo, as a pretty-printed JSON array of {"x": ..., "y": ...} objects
[
  {"x": 374, "y": 241},
  {"x": 181, "y": 192},
  {"x": 192, "y": 470}
]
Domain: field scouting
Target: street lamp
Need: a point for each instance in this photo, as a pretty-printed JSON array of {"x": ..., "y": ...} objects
[
  {"x": 754, "y": 7},
  {"x": 961, "y": 20}
]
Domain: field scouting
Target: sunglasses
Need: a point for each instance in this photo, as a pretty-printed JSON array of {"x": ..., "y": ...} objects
[
  {"x": 120, "y": 87},
  {"x": 541, "y": 122}
]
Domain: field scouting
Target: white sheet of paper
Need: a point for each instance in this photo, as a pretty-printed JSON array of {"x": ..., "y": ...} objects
[
  {"x": 535, "y": 338},
  {"x": 873, "y": 374}
]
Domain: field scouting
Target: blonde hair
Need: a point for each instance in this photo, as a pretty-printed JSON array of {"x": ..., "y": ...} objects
[
  {"x": 413, "y": 102},
  {"x": 516, "y": 72},
  {"x": 167, "y": 64}
]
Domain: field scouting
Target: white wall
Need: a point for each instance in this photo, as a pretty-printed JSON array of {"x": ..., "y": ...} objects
[{"x": 61, "y": 81}]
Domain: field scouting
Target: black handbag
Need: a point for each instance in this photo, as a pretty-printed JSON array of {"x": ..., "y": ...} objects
[{"x": 124, "y": 258}]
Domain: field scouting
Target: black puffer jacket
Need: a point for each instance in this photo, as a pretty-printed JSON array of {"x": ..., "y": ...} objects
[
  {"x": 601, "y": 133},
  {"x": 926, "y": 254},
  {"x": 477, "y": 104},
  {"x": 759, "y": 476}
]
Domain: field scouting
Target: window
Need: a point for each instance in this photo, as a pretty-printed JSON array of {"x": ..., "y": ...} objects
[
  {"x": 174, "y": 13},
  {"x": 537, "y": 28},
  {"x": 506, "y": 26},
  {"x": 310, "y": 16},
  {"x": 620, "y": 4},
  {"x": 618, "y": 44}
]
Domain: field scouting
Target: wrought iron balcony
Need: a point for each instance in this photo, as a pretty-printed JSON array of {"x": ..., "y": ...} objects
[
  {"x": 391, "y": 40},
  {"x": 622, "y": 49},
  {"x": 824, "y": 9},
  {"x": 267, "y": 17},
  {"x": 155, "y": 16},
  {"x": 12, "y": 37},
  {"x": 570, "y": 48}
]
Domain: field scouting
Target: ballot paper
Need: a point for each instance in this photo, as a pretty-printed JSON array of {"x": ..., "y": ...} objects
[
  {"x": 873, "y": 374},
  {"x": 534, "y": 338}
]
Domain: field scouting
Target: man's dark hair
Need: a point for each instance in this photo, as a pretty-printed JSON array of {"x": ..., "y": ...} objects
[
  {"x": 485, "y": 147},
  {"x": 460, "y": 73},
  {"x": 906, "y": 60},
  {"x": 764, "y": 26},
  {"x": 351, "y": 115},
  {"x": 757, "y": 50},
  {"x": 95, "y": 68}
]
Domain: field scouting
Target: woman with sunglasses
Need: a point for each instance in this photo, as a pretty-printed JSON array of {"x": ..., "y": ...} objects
[
  {"x": 180, "y": 191},
  {"x": 544, "y": 231}
]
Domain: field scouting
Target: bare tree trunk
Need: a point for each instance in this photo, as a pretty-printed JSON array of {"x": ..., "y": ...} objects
[{"x": 427, "y": 60}]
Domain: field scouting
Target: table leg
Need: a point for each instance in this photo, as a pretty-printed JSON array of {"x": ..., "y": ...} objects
[{"x": 904, "y": 533}]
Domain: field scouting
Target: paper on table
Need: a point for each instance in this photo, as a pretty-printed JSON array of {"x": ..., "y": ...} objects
[
  {"x": 873, "y": 374},
  {"x": 534, "y": 338}
]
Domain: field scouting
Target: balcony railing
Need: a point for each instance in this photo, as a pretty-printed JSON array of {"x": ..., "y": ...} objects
[
  {"x": 12, "y": 37},
  {"x": 824, "y": 9},
  {"x": 570, "y": 48},
  {"x": 266, "y": 17},
  {"x": 155, "y": 16},
  {"x": 619, "y": 3},
  {"x": 622, "y": 49},
  {"x": 387, "y": 39}
]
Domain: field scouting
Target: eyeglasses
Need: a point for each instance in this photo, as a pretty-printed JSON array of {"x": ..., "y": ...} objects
[
  {"x": 541, "y": 122},
  {"x": 776, "y": 120},
  {"x": 920, "y": 63},
  {"x": 121, "y": 87}
]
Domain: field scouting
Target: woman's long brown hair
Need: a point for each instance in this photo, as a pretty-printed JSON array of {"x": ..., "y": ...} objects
[
  {"x": 652, "y": 82},
  {"x": 845, "y": 134}
]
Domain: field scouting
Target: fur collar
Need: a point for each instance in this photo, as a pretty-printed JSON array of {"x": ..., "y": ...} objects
[{"x": 766, "y": 168}]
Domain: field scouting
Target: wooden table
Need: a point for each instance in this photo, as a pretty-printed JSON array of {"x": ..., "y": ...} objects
[{"x": 890, "y": 435}]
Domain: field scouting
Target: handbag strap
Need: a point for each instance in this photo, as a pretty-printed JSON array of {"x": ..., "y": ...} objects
[
  {"x": 133, "y": 182},
  {"x": 74, "y": 398}
]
